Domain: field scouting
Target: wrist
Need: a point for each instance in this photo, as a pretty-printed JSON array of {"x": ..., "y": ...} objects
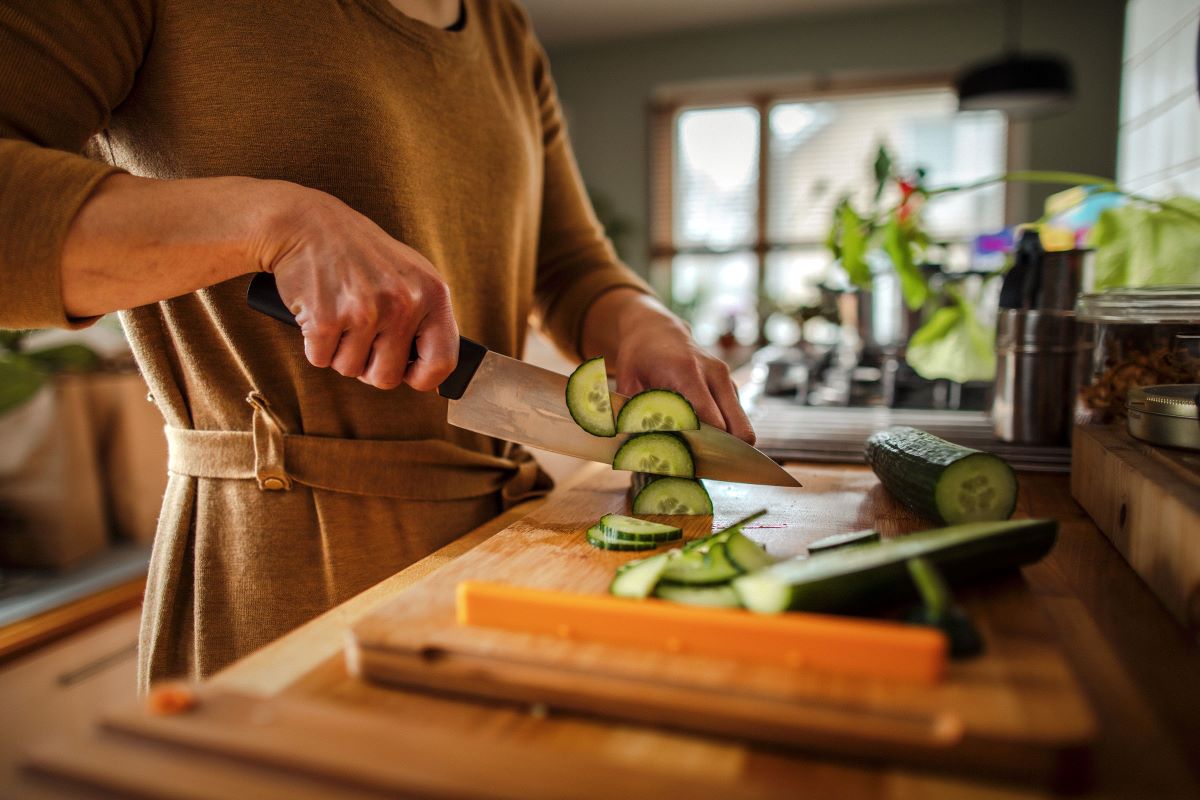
[
  {"x": 626, "y": 314},
  {"x": 274, "y": 210}
]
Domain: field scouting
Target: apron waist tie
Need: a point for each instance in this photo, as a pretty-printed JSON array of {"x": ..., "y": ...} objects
[{"x": 421, "y": 469}]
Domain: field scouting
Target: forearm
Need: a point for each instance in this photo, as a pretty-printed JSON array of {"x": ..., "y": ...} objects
[
  {"x": 621, "y": 315},
  {"x": 136, "y": 240}
]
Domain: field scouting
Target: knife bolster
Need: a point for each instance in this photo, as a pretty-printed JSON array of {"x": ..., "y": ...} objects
[{"x": 470, "y": 356}]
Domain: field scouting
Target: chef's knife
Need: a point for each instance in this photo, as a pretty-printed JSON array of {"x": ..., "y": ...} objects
[{"x": 505, "y": 398}]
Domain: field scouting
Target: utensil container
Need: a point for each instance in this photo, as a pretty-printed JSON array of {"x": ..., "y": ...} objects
[{"x": 1035, "y": 355}]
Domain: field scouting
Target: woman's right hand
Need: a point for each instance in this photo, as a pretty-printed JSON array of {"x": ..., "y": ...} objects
[{"x": 361, "y": 298}]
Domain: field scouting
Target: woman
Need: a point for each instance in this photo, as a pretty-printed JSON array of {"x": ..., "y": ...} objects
[{"x": 404, "y": 172}]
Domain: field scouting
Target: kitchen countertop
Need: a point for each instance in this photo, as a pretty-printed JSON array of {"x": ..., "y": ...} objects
[
  {"x": 1135, "y": 664},
  {"x": 1133, "y": 661}
]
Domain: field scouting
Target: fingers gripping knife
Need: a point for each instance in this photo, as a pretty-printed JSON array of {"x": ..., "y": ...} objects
[{"x": 503, "y": 397}]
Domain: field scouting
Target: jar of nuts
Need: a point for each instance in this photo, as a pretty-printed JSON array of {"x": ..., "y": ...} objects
[{"x": 1130, "y": 338}]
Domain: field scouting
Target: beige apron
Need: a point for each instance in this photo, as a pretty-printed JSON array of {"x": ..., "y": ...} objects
[{"x": 237, "y": 561}]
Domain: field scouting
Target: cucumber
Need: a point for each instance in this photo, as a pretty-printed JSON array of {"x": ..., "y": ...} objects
[
  {"x": 745, "y": 553},
  {"x": 639, "y": 481},
  {"x": 858, "y": 577},
  {"x": 659, "y": 453},
  {"x": 844, "y": 540},
  {"x": 941, "y": 480},
  {"x": 701, "y": 566},
  {"x": 618, "y": 526},
  {"x": 637, "y": 579},
  {"x": 937, "y": 610},
  {"x": 720, "y": 596},
  {"x": 598, "y": 537},
  {"x": 588, "y": 400},
  {"x": 673, "y": 496},
  {"x": 657, "y": 410},
  {"x": 705, "y": 542}
]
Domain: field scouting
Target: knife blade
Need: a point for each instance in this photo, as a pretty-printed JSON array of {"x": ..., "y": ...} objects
[{"x": 508, "y": 399}]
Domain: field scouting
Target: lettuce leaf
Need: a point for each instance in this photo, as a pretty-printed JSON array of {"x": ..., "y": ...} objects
[
  {"x": 1141, "y": 246},
  {"x": 953, "y": 345}
]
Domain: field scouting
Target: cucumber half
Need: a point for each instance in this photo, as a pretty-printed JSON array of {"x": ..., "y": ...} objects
[
  {"x": 588, "y": 400},
  {"x": 858, "y": 577},
  {"x": 657, "y": 410},
  {"x": 941, "y": 480},
  {"x": 618, "y": 526},
  {"x": 701, "y": 566},
  {"x": 745, "y": 553},
  {"x": 598, "y": 537},
  {"x": 854, "y": 539},
  {"x": 719, "y": 596},
  {"x": 659, "y": 453},
  {"x": 637, "y": 579},
  {"x": 673, "y": 496}
]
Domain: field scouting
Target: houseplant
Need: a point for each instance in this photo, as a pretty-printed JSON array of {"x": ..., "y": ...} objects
[{"x": 1144, "y": 242}]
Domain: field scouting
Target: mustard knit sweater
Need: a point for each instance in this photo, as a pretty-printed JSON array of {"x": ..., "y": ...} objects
[{"x": 452, "y": 141}]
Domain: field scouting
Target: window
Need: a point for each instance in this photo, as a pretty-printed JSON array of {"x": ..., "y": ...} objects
[{"x": 744, "y": 199}]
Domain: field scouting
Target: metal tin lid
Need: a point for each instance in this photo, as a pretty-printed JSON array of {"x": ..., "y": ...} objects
[
  {"x": 1141, "y": 306},
  {"x": 1168, "y": 414}
]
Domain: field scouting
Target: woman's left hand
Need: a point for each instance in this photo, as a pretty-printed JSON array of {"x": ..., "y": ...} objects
[{"x": 647, "y": 347}]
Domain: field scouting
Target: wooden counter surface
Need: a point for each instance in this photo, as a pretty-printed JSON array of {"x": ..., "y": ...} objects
[{"x": 1138, "y": 668}]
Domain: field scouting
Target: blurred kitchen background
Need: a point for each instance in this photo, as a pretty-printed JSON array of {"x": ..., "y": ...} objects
[{"x": 765, "y": 164}]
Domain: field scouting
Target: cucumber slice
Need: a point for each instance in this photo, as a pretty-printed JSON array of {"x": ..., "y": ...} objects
[
  {"x": 673, "y": 496},
  {"x": 745, "y": 553},
  {"x": 701, "y": 566},
  {"x": 941, "y": 480},
  {"x": 588, "y": 400},
  {"x": 721, "y": 595},
  {"x": 657, "y": 410},
  {"x": 853, "y": 539},
  {"x": 618, "y": 526},
  {"x": 858, "y": 577},
  {"x": 705, "y": 542},
  {"x": 637, "y": 579},
  {"x": 598, "y": 537},
  {"x": 659, "y": 453},
  {"x": 639, "y": 481}
]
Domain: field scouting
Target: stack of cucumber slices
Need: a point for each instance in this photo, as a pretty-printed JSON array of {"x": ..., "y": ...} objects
[
  {"x": 699, "y": 573},
  {"x": 663, "y": 467}
]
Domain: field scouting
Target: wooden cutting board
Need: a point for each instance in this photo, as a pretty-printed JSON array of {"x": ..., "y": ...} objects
[
  {"x": 1016, "y": 711},
  {"x": 1146, "y": 500},
  {"x": 233, "y": 745}
]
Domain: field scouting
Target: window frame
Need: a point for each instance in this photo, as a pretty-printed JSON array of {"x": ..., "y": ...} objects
[{"x": 670, "y": 101}]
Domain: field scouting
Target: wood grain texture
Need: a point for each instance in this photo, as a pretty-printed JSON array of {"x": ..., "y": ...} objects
[
  {"x": 233, "y": 745},
  {"x": 1016, "y": 711},
  {"x": 26, "y": 635},
  {"x": 1133, "y": 660},
  {"x": 1146, "y": 500}
]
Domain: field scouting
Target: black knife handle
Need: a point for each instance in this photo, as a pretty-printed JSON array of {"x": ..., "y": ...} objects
[{"x": 263, "y": 296}]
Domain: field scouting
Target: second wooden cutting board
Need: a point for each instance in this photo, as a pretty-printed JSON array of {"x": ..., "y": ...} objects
[{"x": 1016, "y": 711}]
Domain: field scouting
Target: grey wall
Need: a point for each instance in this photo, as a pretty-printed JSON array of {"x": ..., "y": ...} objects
[{"x": 606, "y": 87}]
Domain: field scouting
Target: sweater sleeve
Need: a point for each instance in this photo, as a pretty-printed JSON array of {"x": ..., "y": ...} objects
[
  {"x": 576, "y": 261},
  {"x": 64, "y": 64}
]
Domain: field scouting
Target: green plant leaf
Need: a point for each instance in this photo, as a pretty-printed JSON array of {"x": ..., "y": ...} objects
[
  {"x": 852, "y": 244},
  {"x": 20, "y": 380},
  {"x": 898, "y": 244},
  {"x": 883, "y": 170},
  {"x": 953, "y": 345},
  {"x": 1137, "y": 245},
  {"x": 65, "y": 358}
]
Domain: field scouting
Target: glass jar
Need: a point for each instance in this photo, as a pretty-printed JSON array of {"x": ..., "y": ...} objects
[{"x": 1130, "y": 338}]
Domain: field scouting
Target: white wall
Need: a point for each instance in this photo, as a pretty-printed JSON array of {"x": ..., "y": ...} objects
[{"x": 1159, "y": 134}]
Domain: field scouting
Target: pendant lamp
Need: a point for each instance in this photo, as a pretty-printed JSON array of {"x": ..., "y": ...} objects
[{"x": 1017, "y": 83}]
